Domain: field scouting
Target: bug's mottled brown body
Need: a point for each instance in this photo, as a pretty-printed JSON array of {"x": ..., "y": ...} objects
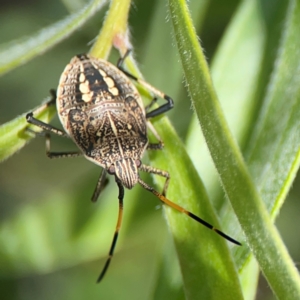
[{"x": 102, "y": 111}]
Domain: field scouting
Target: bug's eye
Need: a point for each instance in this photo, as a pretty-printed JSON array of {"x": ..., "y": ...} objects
[
  {"x": 138, "y": 163},
  {"x": 111, "y": 170}
]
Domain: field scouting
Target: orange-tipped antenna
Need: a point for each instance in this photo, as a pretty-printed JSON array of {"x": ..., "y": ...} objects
[
  {"x": 188, "y": 213},
  {"x": 118, "y": 226}
]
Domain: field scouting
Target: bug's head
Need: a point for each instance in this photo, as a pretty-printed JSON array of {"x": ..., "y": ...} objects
[{"x": 126, "y": 170}]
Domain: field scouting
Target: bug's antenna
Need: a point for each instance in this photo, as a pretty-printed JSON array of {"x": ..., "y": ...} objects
[
  {"x": 188, "y": 213},
  {"x": 118, "y": 226}
]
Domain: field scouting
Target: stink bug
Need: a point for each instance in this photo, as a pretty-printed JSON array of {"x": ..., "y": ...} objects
[{"x": 102, "y": 112}]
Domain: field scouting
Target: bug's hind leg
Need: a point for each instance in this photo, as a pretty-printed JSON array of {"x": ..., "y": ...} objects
[
  {"x": 66, "y": 154},
  {"x": 154, "y": 146},
  {"x": 159, "y": 172}
]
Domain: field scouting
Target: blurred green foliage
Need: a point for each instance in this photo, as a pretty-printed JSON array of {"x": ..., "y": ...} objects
[{"x": 60, "y": 190}]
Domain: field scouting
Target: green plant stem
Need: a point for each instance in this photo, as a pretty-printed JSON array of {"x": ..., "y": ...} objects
[
  {"x": 261, "y": 235},
  {"x": 114, "y": 27},
  {"x": 13, "y": 135}
]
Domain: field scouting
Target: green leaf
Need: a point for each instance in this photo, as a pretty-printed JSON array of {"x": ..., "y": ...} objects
[
  {"x": 21, "y": 51},
  {"x": 168, "y": 77},
  {"x": 211, "y": 262},
  {"x": 235, "y": 72},
  {"x": 234, "y": 176},
  {"x": 240, "y": 72},
  {"x": 273, "y": 151},
  {"x": 248, "y": 28}
]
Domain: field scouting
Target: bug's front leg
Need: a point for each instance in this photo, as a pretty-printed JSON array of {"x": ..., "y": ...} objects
[
  {"x": 49, "y": 128},
  {"x": 44, "y": 126}
]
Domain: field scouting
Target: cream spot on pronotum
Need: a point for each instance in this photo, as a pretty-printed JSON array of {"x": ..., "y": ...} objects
[
  {"x": 84, "y": 87},
  {"x": 87, "y": 97},
  {"x": 109, "y": 81},
  {"x": 103, "y": 74},
  {"x": 114, "y": 91},
  {"x": 81, "y": 77}
]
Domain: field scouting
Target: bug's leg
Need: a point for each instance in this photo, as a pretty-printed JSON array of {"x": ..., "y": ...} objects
[
  {"x": 153, "y": 101},
  {"x": 101, "y": 184},
  {"x": 46, "y": 127},
  {"x": 118, "y": 226},
  {"x": 122, "y": 59},
  {"x": 49, "y": 128},
  {"x": 48, "y": 103},
  {"x": 159, "y": 172},
  {"x": 161, "y": 109},
  {"x": 186, "y": 212},
  {"x": 154, "y": 146},
  {"x": 51, "y": 154}
]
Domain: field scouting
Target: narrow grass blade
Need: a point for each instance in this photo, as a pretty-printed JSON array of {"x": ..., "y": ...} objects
[{"x": 261, "y": 235}]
